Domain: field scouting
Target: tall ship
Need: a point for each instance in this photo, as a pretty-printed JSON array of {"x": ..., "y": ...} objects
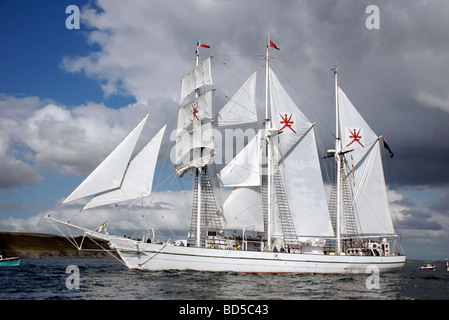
[{"x": 263, "y": 211}]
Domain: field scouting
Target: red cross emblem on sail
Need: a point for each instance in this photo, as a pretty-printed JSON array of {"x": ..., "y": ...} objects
[
  {"x": 355, "y": 136},
  {"x": 195, "y": 112},
  {"x": 287, "y": 122}
]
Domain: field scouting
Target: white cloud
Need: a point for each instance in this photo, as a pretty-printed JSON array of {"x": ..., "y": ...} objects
[
  {"x": 35, "y": 223},
  {"x": 134, "y": 42},
  {"x": 432, "y": 100},
  {"x": 15, "y": 173},
  {"x": 38, "y": 136}
]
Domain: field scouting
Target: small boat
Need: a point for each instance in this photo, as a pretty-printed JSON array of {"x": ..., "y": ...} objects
[
  {"x": 427, "y": 267},
  {"x": 14, "y": 261}
]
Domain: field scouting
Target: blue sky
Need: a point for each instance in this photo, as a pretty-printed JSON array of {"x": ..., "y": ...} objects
[
  {"x": 34, "y": 41},
  {"x": 67, "y": 97}
]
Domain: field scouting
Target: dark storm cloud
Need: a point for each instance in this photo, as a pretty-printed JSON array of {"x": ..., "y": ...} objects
[
  {"x": 383, "y": 72},
  {"x": 396, "y": 76},
  {"x": 440, "y": 205},
  {"x": 416, "y": 219}
]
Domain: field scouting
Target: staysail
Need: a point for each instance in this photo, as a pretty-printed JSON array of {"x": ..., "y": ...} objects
[
  {"x": 364, "y": 170},
  {"x": 109, "y": 174},
  {"x": 138, "y": 179},
  {"x": 241, "y": 108},
  {"x": 244, "y": 169},
  {"x": 243, "y": 208}
]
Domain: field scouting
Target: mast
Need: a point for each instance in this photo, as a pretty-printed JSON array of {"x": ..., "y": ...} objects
[
  {"x": 267, "y": 130},
  {"x": 338, "y": 160},
  {"x": 198, "y": 171}
]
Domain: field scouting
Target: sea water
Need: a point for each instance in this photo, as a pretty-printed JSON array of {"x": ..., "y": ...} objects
[{"x": 109, "y": 279}]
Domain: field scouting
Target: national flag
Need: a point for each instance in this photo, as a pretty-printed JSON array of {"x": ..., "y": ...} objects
[
  {"x": 273, "y": 45},
  {"x": 387, "y": 147},
  {"x": 202, "y": 45}
]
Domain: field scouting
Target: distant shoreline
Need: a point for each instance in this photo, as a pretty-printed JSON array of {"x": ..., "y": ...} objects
[{"x": 48, "y": 246}]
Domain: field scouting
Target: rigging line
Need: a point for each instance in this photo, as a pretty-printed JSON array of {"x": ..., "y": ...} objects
[
  {"x": 183, "y": 189},
  {"x": 155, "y": 208},
  {"x": 166, "y": 156},
  {"x": 256, "y": 61},
  {"x": 159, "y": 184},
  {"x": 236, "y": 102},
  {"x": 164, "y": 193},
  {"x": 163, "y": 218},
  {"x": 299, "y": 66},
  {"x": 108, "y": 251},
  {"x": 231, "y": 98},
  {"x": 71, "y": 239},
  {"x": 239, "y": 55},
  {"x": 232, "y": 73}
]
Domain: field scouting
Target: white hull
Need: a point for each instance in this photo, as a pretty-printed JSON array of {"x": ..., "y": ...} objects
[{"x": 157, "y": 257}]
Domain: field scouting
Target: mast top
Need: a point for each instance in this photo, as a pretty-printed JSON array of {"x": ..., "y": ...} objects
[{"x": 335, "y": 69}]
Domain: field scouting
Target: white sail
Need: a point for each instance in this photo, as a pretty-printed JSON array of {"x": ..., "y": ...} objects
[
  {"x": 244, "y": 169},
  {"x": 286, "y": 116},
  {"x": 138, "y": 179},
  {"x": 241, "y": 108},
  {"x": 199, "y": 137},
  {"x": 109, "y": 174},
  {"x": 200, "y": 76},
  {"x": 364, "y": 170},
  {"x": 242, "y": 208},
  {"x": 301, "y": 174},
  {"x": 197, "y": 109},
  {"x": 286, "y": 201},
  {"x": 299, "y": 164}
]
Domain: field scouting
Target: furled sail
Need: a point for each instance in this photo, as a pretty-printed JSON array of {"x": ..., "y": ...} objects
[
  {"x": 200, "y": 76},
  {"x": 299, "y": 164},
  {"x": 109, "y": 174},
  {"x": 241, "y": 108},
  {"x": 364, "y": 170},
  {"x": 138, "y": 179},
  {"x": 194, "y": 164}
]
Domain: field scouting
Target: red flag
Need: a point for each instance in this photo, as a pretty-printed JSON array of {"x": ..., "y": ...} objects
[
  {"x": 273, "y": 45},
  {"x": 202, "y": 45}
]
